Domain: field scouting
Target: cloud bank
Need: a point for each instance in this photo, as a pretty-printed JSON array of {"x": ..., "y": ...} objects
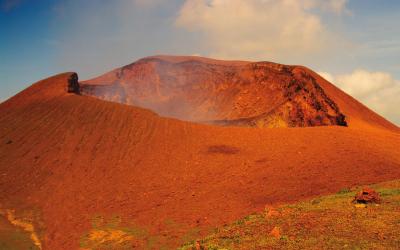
[
  {"x": 278, "y": 30},
  {"x": 107, "y": 34},
  {"x": 377, "y": 90}
]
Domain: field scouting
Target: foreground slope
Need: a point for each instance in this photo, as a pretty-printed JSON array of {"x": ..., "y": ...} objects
[
  {"x": 67, "y": 160},
  {"x": 328, "y": 222}
]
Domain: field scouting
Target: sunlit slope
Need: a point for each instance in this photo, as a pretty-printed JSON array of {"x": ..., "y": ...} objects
[
  {"x": 239, "y": 93},
  {"x": 357, "y": 114},
  {"x": 327, "y": 222},
  {"x": 70, "y": 158}
]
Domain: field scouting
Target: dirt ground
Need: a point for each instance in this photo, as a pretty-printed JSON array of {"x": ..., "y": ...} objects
[{"x": 73, "y": 159}]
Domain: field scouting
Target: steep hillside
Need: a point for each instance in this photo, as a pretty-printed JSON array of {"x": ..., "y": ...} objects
[
  {"x": 256, "y": 94},
  {"x": 69, "y": 164},
  {"x": 249, "y": 94}
]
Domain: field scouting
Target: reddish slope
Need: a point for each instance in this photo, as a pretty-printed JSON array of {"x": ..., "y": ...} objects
[
  {"x": 357, "y": 114},
  {"x": 242, "y": 93},
  {"x": 199, "y": 89},
  {"x": 73, "y": 157}
]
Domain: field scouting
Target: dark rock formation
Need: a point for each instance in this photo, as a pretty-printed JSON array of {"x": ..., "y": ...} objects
[{"x": 73, "y": 84}]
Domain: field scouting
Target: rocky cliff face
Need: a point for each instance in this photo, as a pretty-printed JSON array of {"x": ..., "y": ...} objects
[{"x": 259, "y": 94}]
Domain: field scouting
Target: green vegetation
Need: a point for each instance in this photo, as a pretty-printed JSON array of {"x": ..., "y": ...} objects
[
  {"x": 108, "y": 233},
  {"x": 21, "y": 229},
  {"x": 329, "y": 222},
  {"x": 114, "y": 233}
]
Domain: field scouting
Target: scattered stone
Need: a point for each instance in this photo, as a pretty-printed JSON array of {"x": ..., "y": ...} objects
[
  {"x": 198, "y": 245},
  {"x": 367, "y": 195},
  {"x": 315, "y": 202},
  {"x": 381, "y": 236},
  {"x": 276, "y": 233},
  {"x": 270, "y": 211}
]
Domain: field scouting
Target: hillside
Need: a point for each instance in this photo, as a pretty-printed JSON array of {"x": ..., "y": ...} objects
[
  {"x": 327, "y": 222},
  {"x": 255, "y": 94},
  {"x": 71, "y": 163}
]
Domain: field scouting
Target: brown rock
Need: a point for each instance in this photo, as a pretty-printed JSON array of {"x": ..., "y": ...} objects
[
  {"x": 275, "y": 232},
  {"x": 270, "y": 211},
  {"x": 198, "y": 246},
  {"x": 73, "y": 84},
  {"x": 367, "y": 195}
]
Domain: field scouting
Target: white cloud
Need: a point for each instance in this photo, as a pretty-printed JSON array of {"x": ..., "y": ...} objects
[
  {"x": 281, "y": 30},
  {"x": 378, "y": 90},
  {"x": 96, "y": 36},
  {"x": 335, "y": 6},
  {"x": 364, "y": 83}
]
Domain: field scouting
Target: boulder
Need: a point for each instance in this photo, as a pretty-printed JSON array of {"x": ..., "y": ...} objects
[
  {"x": 367, "y": 195},
  {"x": 73, "y": 84}
]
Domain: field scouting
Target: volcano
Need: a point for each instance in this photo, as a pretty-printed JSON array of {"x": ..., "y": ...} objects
[
  {"x": 170, "y": 147},
  {"x": 259, "y": 94}
]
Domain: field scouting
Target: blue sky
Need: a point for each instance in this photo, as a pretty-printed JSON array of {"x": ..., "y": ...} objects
[{"x": 353, "y": 43}]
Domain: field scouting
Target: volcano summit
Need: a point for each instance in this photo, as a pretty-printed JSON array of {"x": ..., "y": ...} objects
[{"x": 258, "y": 94}]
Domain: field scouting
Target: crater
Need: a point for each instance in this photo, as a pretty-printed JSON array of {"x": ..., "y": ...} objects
[{"x": 225, "y": 93}]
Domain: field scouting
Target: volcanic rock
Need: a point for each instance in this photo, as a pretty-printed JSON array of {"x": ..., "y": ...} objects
[
  {"x": 367, "y": 195},
  {"x": 275, "y": 232},
  {"x": 73, "y": 84}
]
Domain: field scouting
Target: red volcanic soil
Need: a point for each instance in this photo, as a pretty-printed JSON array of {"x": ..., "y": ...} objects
[
  {"x": 71, "y": 157},
  {"x": 259, "y": 94}
]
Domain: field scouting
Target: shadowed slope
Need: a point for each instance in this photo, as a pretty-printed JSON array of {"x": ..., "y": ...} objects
[{"x": 72, "y": 158}]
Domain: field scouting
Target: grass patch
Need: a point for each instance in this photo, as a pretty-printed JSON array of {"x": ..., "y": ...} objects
[
  {"x": 328, "y": 222},
  {"x": 110, "y": 233},
  {"x": 344, "y": 191},
  {"x": 12, "y": 237},
  {"x": 113, "y": 232}
]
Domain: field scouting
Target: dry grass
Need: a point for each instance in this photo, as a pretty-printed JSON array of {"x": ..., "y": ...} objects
[
  {"x": 329, "y": 222},
  {"x": 17, "y": 232}
]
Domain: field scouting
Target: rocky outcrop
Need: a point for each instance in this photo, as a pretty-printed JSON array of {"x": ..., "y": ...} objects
[
  {"x": 367, "y": 195},
  {"x": 73, "y": 84}
]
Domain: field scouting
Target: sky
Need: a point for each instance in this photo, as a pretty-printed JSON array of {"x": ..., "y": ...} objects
[{"x": 355, "y": 44}]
